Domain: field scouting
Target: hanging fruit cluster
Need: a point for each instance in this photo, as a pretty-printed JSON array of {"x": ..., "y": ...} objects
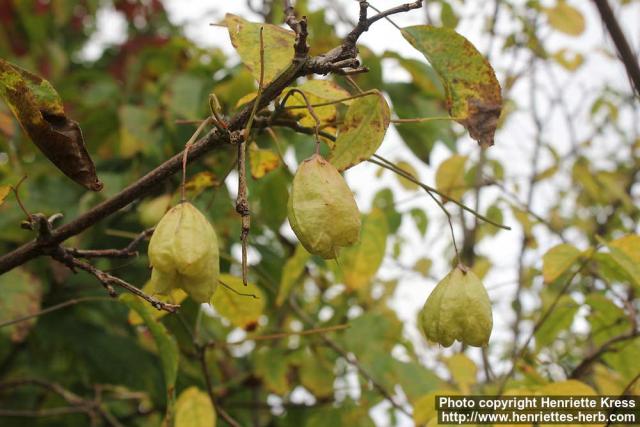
[
  {"x": 458, "y": 309},
  {"x": 183, "y": 252},
  {"x": 322, "y": 210}
]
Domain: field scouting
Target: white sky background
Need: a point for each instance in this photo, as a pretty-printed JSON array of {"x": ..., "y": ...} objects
[{"x": 513, "y": 146}]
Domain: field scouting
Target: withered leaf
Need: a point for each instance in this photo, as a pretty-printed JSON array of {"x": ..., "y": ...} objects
[
  {"x": 39, "y": 110},
  {"x": 473, "y": 93}
]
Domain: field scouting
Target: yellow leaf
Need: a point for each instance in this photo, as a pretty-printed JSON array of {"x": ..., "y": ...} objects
[
  {"x": 175, "y": 296},
  {"x": 567, "y": 388},
  {"x": 194, "y": 409},
  {"x": 241, "y": 305},
  {"x": 360, "y": 262},
  {"x": 246, "y": 99},
  {"x": 278, "y": 46},
  {"x": 557, "y": 260},
  {"x": 4, "y": 192},
  {"x": 316, "y": 92},
  {"x": 422, "y": 266},
  {"x": 262, "y": 161},
  {"x": 409, "y": 185},
  {"x": 463, "y": 371},
  {"x": 565, "y": 18},
  {"x": 569, "y": 60},
  {"x": 450, "y": 177},
  {"x": 481, "y": 267},
  {"x": 200, "y": 182},
  {"x": 608, "y": 381},
  {"x": 424, "y": 408},
  {"x": 630, "y": 245}
]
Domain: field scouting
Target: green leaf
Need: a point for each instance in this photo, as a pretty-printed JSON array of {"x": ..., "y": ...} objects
[
  {"x": 271, "y": 365},
  {"x": 135, "y": 128},
  {"x": 420, "y": 219},
  {"x": 383, "y": 329},
  {"x": 384, "y": 200},
  {"x": 362, "y": 131},
  {"x": 565, "y": 18},
  {"x": 448, "y": 16},
  {"x": 360, "y": 262},
  {"x": 278, "y": 46},
  {"x": 185, "y": 99},
  {"x": 167, "y": 351},
  {"x": 291, "y": 272},
  {"x": 625, "y": 258},
  {"x": 450, "y": 177},
  {"x": 559, "y": 320},
  {"x": 194, "y": 409},
  {"x": 316, "y": 372},
  {"x": 241, "y": 308},
  {"x": 39, "y": 109},
  {"x": 20, "y": 295},
  {"x": 473, "y": 92},
  {"x": 557, "y": 260},
  {"x": 413, "y": 101}
]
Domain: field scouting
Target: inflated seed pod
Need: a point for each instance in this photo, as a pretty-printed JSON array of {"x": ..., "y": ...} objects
[
  {"x": 183, "y": 252},
  {"x": 458, "y": 309},
  {"x": 321, "y": 210}
]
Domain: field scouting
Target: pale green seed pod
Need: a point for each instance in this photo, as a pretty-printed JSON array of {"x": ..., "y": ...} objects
[
  {"x": 183, "y": 252},
  {"x": 322, "y": 210},
  {"x": 458, "y": 309}
]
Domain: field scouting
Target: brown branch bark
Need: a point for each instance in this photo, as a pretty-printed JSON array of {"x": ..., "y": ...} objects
[{"x": 627, "y": 56}]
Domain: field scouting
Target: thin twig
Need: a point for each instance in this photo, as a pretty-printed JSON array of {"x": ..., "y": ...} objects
[
  {"x": 202, "y": 352},
  {"x": 53, "y": 308},
  {"x": 236, "y": 292},
  {"x": 349, "y": 358},
  {"x": 281, "y": 335},
  {"x": 389, "y": 165},
  {"x": 520, "y": 353},
  {"x": 242, "y": 200},
  {"x": 187, "y": 147},
  {"x": 126, "y": 252},
  {"x": 108, "y": 280}
]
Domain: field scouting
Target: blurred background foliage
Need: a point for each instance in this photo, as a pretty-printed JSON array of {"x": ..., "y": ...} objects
[{"x": 129, "y": 102}]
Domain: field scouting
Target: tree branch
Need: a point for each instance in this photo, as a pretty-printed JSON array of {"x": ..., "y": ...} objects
[
  {"x": 215, "y": 138},
  {"x": 627, "y": 56}
]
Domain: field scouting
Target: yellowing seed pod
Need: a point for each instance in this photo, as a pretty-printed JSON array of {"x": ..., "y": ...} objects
[
  {"x": 458, "y": 309},
  {"x": 183, "y": 252},
  {"x": 322, "y": 211}
]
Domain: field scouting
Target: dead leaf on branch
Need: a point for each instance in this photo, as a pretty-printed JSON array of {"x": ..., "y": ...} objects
[
  {"x": 39, "y": 110},
  {"x": 472, "y": 90}
]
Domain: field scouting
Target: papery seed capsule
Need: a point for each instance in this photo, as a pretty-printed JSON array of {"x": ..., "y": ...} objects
[
  {"x": 183, "y": 252},
  {"x": 458, "y": 309},
  {"x": 322, "y": 210}
]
